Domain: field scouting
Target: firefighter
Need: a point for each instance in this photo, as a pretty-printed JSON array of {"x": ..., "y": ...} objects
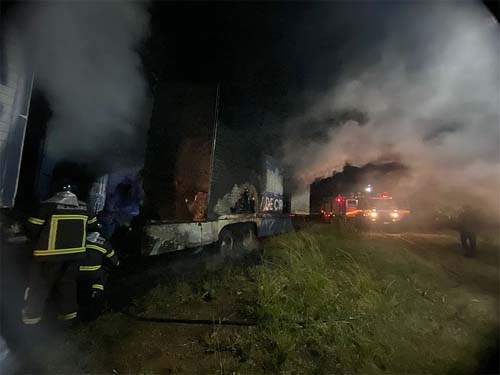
[
  {"x": 467, "y": 227},
  {"x": 93, "y": 274},
  {"x": 58, "y": 232}
]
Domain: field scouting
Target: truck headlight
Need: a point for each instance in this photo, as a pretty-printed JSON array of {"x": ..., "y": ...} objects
[
  {"x": 395, "y": 215},
  {"x": 373, "y": 214}
]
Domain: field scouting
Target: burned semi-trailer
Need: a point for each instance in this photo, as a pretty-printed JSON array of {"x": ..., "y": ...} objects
[{"x": 206, "y": 180}]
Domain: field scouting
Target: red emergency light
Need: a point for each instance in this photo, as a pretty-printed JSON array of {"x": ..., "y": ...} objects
[
  {"x": 339, "y": 199},
  {"x": 385, "y": 195}
]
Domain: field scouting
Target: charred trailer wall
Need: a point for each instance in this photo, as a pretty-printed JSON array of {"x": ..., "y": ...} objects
[
  {"x": 236, "y": 168},
  {"x": 244, "y": 179},
  {"x": 202, "y": 160},
  {"x": 205, "y": 172},
  {"x": 178, "y": 152}
]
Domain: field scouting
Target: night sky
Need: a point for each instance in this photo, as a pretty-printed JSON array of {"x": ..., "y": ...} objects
[
  {"x": 294, "y": 45},
  {"x": 274, "y": 59},
  {"x": 250, "y": 49},
  {"x": 275, "y": 62},
  {"x": 268, "y": 57},
  {"x": 275, "y": 48}
]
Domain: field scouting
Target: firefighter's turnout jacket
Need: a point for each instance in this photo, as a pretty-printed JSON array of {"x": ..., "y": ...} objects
[
  {"x": 58, "y": 232},
  {"x": 98, "y": 252},
  {"x": 59, "y": 228}
]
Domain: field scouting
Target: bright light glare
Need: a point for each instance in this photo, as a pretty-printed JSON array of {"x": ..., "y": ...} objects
[
  {"x": 368, "y": 189},
  {"x": 394, "y": 214},
  {"x": 373, "y": 214}
]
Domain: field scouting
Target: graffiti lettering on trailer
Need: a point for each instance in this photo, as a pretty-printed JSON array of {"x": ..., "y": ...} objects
[{"x": 271, "y": 202}]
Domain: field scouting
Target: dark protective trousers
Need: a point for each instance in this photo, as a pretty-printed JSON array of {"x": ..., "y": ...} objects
[
  {"x": 91, "y": 295},
  {"x": 468, "y": 240},
  {"x": 56, "y": 279}
]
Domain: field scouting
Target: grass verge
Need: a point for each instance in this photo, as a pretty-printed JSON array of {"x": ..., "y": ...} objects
[
  {"x": 331, "y": 303},
  {"x": 325, "y": 302}
]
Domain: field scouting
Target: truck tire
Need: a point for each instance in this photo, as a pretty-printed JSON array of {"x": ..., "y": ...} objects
[
  {"x": 227, "y": 242},
  {"x": 249, "y": 240}
]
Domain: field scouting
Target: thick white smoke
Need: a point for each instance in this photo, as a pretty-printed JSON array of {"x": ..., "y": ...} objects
[
  {"x": 432, "y": 103},
  {"x": 88, "y": 67}
]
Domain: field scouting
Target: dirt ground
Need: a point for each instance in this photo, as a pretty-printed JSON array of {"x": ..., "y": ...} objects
[
  {"x": 198, "y": 285},
  {"x": 117, "y": 342},
  {"x": 478, "y": 275}
]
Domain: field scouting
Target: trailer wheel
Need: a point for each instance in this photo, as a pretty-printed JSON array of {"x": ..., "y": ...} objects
[
  {"x": 249, "y": 240},
  {"x": 226, "y": 242}
]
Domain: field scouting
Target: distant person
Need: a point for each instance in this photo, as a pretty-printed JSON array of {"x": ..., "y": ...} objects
[
  {"x": 93, "y": 274},
  {"x": 58, "y": 234},
  {"x": 467, "y": 224}
]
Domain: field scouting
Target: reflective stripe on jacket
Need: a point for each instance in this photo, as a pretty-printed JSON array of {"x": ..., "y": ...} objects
[
  {"x": 59, "y": 228},
  {"x": 98, "y": 251}
]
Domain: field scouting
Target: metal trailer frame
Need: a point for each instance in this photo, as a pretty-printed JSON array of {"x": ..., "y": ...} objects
[{"x": 161, "y": 237}]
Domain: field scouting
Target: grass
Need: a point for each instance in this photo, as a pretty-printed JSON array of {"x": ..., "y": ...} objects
[
  {"x": 325, "y": 301},
  {"x": 331, "y": 303}
]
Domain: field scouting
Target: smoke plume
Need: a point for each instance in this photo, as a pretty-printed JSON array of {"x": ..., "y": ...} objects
[
  {"x": 88, "y": 67},
  {"x": 425, "y": 94}
]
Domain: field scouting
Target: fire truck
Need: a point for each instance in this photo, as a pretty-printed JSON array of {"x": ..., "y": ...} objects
[{"x": 365, "y": 209}]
